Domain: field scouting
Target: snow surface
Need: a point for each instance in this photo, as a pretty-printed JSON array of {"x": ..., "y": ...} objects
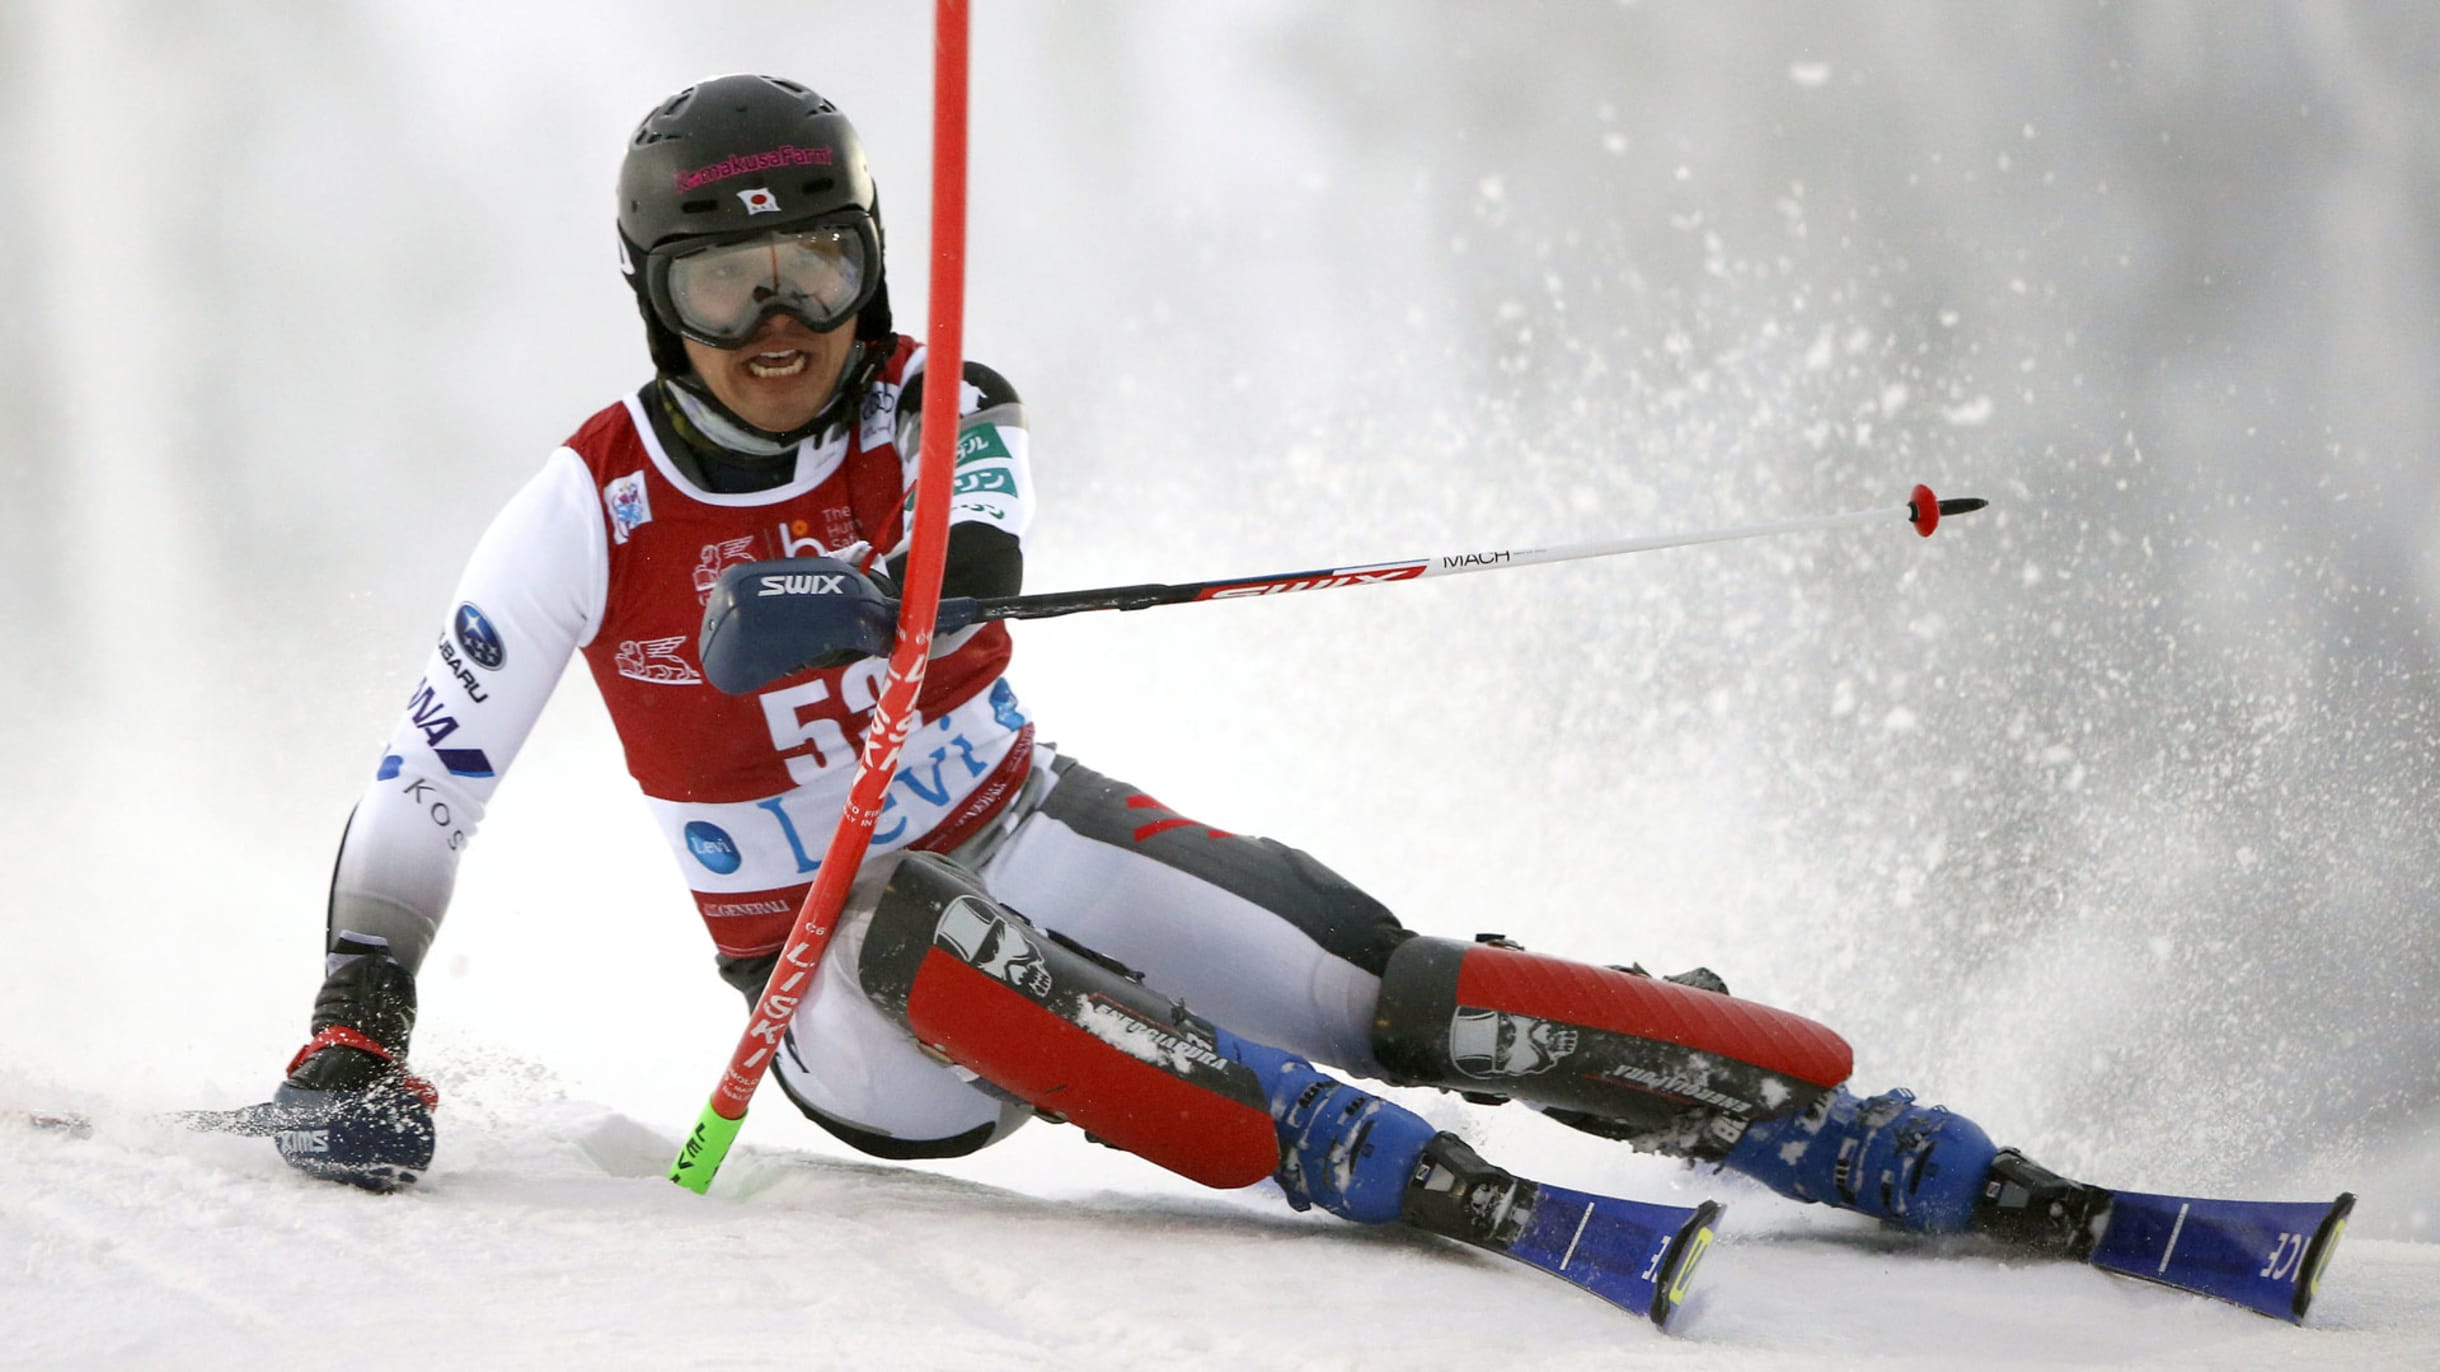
[
  {"x": 2105, "y": 816},
  {"x": 547, "y": 1238}
]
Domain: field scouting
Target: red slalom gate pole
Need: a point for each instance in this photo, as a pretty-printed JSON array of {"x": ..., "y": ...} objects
[{"x": 707, "y": 1146}]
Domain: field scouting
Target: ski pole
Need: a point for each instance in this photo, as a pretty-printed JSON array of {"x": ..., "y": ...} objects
[
  {"x": 708, "y": 1144},
  {"x": 1922, "y": 509}
]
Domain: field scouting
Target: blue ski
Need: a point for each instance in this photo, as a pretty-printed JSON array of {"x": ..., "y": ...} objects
[
  {"x": 1635, "y": 1255},
  {"x": 2263, "y": 1255}
]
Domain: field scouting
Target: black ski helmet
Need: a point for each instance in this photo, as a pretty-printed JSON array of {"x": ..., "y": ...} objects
[{"x": 762, "y": 132}]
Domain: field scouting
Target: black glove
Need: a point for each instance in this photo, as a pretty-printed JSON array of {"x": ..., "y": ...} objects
[{"x": 349, "y": 1111}]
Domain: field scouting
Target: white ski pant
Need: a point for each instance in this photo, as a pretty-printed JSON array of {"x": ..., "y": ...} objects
[{"x": 1252, "y": 935}]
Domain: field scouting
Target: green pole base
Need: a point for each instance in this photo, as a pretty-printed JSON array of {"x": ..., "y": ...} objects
[{"x": 706, "y": 1148}]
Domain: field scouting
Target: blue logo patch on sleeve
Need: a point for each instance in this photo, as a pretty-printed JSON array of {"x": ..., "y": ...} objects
[
  {"x": 712, "y": 847},
  {"x": 480, "y": 640},
  {"x": 389, "y": 767},
  {"x": 464, "y": 762}
]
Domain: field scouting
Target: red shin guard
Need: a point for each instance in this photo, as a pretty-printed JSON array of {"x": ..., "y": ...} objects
[
  {"x": 1595, "y": 1040},
  {"x": 1072, "y": 1036}
]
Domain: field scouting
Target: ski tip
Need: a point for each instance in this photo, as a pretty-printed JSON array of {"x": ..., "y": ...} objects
[
  {"x": 261, "y": 1120},
  {"x": 59, "y": 1122},
  {"x": 1675, "y": 1275},
  {"x": 2317, "y": 1255}
]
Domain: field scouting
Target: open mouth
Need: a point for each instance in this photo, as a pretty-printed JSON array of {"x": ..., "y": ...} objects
[{"x": 772, "y": 366}]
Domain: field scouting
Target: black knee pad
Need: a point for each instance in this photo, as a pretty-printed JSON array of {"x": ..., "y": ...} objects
[
  {"x": 1640, "y": 1054},
  {"x": 1065, "y": 1031}
]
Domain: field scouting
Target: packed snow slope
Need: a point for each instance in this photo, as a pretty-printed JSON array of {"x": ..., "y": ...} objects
[
  {"x": 549, "y": 1240},
  {"x": 2104, "y": 816}
]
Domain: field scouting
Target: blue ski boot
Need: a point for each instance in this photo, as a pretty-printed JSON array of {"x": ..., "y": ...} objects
[
  {"x": 1921, "y": 1168},
  {"x": 1356, "y": 1155},
  {"x": 1340, "y": 1147},
  {"x": 1917, "y": 1167}
]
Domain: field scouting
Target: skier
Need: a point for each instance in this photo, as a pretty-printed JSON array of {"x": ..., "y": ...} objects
[{"x": 1030, "y": 936}]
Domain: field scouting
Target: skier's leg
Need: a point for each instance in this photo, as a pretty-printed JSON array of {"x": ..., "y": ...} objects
[
  {"x": 1083, "y": 1040},
  {"x": 851, "y": 1069},
  {"x": 1277, "y": 946},
  {"x": 1693, "y": 1072},
  {"x": 1287, "y": 952},
  {"x": 1255, "y": 934},
  {"x": 1663, "y": 1065}
]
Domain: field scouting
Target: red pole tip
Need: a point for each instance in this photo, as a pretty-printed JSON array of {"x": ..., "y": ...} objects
[{"x": 1926, "y": 511}]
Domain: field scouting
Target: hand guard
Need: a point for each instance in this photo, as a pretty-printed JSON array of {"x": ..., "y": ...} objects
[
  {"x": 766, "y": 621},
  {"x": 349, "y": 1110}
]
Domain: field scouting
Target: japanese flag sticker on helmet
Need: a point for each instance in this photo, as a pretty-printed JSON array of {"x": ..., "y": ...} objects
[{"x": 759, "y": 201}]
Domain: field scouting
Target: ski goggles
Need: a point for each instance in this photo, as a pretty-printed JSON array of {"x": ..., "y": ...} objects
[{"x": 720, "y": 293}]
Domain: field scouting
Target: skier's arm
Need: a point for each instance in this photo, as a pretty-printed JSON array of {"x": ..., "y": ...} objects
[
  {"x": 992, "y": 501},
  {"x": 531, "y": 594}
]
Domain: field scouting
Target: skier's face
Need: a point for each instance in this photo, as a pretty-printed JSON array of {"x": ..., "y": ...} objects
[{"x": 783, "y": 375}]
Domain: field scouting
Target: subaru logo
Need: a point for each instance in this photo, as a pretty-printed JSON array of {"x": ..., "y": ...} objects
[
  {"x": 713, "y": 847},
  {"x": 479, "y": 639}
]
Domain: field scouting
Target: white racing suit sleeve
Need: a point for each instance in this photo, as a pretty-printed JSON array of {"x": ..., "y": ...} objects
[{"x": 531, "y": 595}]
